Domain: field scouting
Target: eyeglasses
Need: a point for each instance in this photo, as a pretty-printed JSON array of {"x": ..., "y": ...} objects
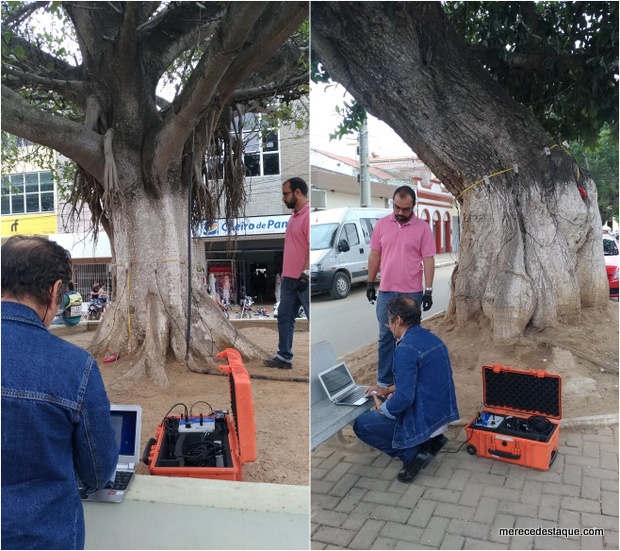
[
  {"x": 285, "y": 193},
  {"x": 390, "y": 320},
  {"x": 406, "y": 210}
]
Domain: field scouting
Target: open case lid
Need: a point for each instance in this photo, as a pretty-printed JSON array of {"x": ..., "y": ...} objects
[
  {"x": 241, "y": 402},
  {"x": 528, "y": 391}
]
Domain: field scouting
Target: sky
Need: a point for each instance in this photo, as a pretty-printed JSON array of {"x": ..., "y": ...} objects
[{"x": 382, "y": 140}]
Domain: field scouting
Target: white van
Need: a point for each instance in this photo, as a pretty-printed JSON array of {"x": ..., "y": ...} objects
[{"x": 339, "y": 247}]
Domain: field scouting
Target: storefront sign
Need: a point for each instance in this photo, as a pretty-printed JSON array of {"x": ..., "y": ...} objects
[
  {"x": 254, "y": 225},
  {"x": 28, "y": 224}
]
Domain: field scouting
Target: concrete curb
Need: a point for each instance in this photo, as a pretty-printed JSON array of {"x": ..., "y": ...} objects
[{"x": 301, "y": 324}]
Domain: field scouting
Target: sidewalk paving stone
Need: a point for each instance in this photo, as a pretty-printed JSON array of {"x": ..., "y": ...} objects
[
  {"x": 532, "y": 492},
  {"x": 480, "y": 544},
  {"x": 435, "y": 530},
  {"x": 609, "y": 503},
  {"x": 461, "y": 501},
  {"x": 486, "y": 510},
  {"x": 366, "y": 535},
  {"x": 450, "y": 541}
]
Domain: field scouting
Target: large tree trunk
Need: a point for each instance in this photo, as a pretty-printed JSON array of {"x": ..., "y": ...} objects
[
  {"x": 531, "y": 253},
  {"x": 130, "y": 147},
  {"x": 148, "y": 318}
]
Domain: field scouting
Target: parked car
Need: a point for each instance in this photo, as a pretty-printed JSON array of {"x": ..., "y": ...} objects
[
  {"x": 339, "y": 248},
  {"x": 612, "y": 263}
]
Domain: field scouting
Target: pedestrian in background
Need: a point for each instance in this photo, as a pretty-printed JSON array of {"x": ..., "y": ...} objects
[
  {"x": 55, "y": 411},
  {"x": 70, "y": 307},
  {"x": 294, "y": 288},
  {"x": 403, "y": 248}
]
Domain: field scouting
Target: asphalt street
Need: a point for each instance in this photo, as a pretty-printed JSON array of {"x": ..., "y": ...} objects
[{"x": 350, "y": 323}]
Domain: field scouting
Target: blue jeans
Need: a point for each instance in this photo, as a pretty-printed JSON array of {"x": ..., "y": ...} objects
[
  {"x": 386, "y": 339},
  {"x": 290, "y": 301},
  {"x": 378, "y": 431}
]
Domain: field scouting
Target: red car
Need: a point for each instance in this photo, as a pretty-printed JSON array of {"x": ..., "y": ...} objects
[{"x": 612, "y": 263}]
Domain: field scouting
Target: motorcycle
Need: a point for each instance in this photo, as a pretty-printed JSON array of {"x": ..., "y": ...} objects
[
  {"x": 262, "y": 313},
  {"x": 95, "y": 309},
  {"x": 246, "y": 308}
]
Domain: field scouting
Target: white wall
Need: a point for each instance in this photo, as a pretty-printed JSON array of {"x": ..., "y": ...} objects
[{"x": 190, "y": 513}]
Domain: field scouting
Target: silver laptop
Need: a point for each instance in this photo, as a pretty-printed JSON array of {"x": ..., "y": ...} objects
[
  {"x": 341, "y": 388},
  {"x": 126, "y": 421}
]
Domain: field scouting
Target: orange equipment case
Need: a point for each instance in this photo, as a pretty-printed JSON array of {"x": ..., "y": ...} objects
[
  {"x": 227, "y": 444},
  {"x": 520, "y": 420}
]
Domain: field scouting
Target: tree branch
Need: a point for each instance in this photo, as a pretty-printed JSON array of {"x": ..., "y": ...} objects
[
  {"x": 176, "y": 29},
  {"x": 21, "y": 13},
  {"x": 127, "y": 31},
  {"x": 278, "y": 23},
  {"x": 74, "y": 91},
  {"x": 35, "y": 57},
  {"x": 229, "y": 40},
  {"x": 71, "y": 139},
  {"x": 259, "y": 93},
  {"x": 234, "y": 54}
]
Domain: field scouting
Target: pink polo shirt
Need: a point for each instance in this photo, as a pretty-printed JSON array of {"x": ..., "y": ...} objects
[
  {"x": 402, "y": 250},
  {"x": 296, "y": 242}
]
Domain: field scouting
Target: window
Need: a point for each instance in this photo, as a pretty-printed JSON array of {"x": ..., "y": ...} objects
[
  {"x": 261, "y": 151},
  {"x": 28, "y": 193},
  {"x": 349, "y": 233},
  {"x": 368, "y": 224}
]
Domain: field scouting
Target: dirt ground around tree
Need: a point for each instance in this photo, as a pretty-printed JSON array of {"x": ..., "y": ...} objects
[
  {"x": 280, "y": 403},
  {"x": 585, "y": 356}
]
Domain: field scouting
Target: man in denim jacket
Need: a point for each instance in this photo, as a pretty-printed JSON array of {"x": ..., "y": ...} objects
[
  {"x": 55, "y": 411},
  {"x": 418, "y": 407}
]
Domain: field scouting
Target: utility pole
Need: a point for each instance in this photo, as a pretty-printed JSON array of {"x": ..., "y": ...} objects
[{"x": 365, "y": 198}]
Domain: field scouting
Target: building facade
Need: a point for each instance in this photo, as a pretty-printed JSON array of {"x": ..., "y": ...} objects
[
  {"x": 246, "y": 256},
  {"x": 335, "y": 182}
]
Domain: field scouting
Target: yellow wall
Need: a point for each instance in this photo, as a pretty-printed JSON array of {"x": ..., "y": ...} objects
[{"x": 29, "y": 224}]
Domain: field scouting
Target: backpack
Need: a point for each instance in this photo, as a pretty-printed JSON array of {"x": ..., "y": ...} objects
[{"x": 74, "y": 309}]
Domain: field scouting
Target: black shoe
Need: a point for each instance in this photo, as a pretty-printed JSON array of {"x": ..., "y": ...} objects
[
  {"x": 437, "y": 443},
  {"x": 433, "y": 445},
  {"x": 277, "y": 362},
  {"x": 410, "y": 471}
]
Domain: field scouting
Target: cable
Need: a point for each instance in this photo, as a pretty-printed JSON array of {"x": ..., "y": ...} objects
[
  {"x": 459, "y": 448},
  {"x": 202, "y": 452},
  {"x": 175, "y": 405},
  {"x": 200, "y": 402}
]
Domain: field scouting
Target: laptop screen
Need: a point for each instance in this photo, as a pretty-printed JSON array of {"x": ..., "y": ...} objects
[
  {"x": 124, "y": 424},
  {"x": 336, "y": 379}
]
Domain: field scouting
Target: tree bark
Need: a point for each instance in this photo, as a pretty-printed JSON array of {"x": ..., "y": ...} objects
[
  {"x": 148, "y": 318},
  {"x": 531, "y": 254}
]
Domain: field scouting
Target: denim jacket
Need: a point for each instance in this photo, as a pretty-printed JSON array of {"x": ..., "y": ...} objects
[
  {"x": 424, "y": 399},
  {"x": 55, "y": 427}
]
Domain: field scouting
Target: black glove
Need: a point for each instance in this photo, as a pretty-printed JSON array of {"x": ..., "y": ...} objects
[
  {"x": 427, "y": 301},
  {"x": 371, "y": 294},
  {"x": 302, "y": 283}
]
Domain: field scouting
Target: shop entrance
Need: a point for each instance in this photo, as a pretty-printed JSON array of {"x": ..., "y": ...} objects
[{"x": 253, "y": 271}]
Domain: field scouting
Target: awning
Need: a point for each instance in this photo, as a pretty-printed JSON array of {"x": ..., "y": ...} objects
[{"x": 81, "y": 245}]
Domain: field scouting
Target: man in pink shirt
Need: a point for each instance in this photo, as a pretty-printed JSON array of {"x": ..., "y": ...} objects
[
  {"x": 294, "y": 288},
  {"x": 403, "y": 247}
]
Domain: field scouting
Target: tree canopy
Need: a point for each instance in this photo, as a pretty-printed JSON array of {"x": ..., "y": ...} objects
[
  {"x": 601, "y": 162},
  {"x": 559, "y": 59},
  {"x": 190, "y": 69}
]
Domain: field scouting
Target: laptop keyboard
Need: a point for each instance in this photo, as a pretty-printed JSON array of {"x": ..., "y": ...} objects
[
  {"x": 121, "y": 480},
  {"x": 353, "y": 397}
]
